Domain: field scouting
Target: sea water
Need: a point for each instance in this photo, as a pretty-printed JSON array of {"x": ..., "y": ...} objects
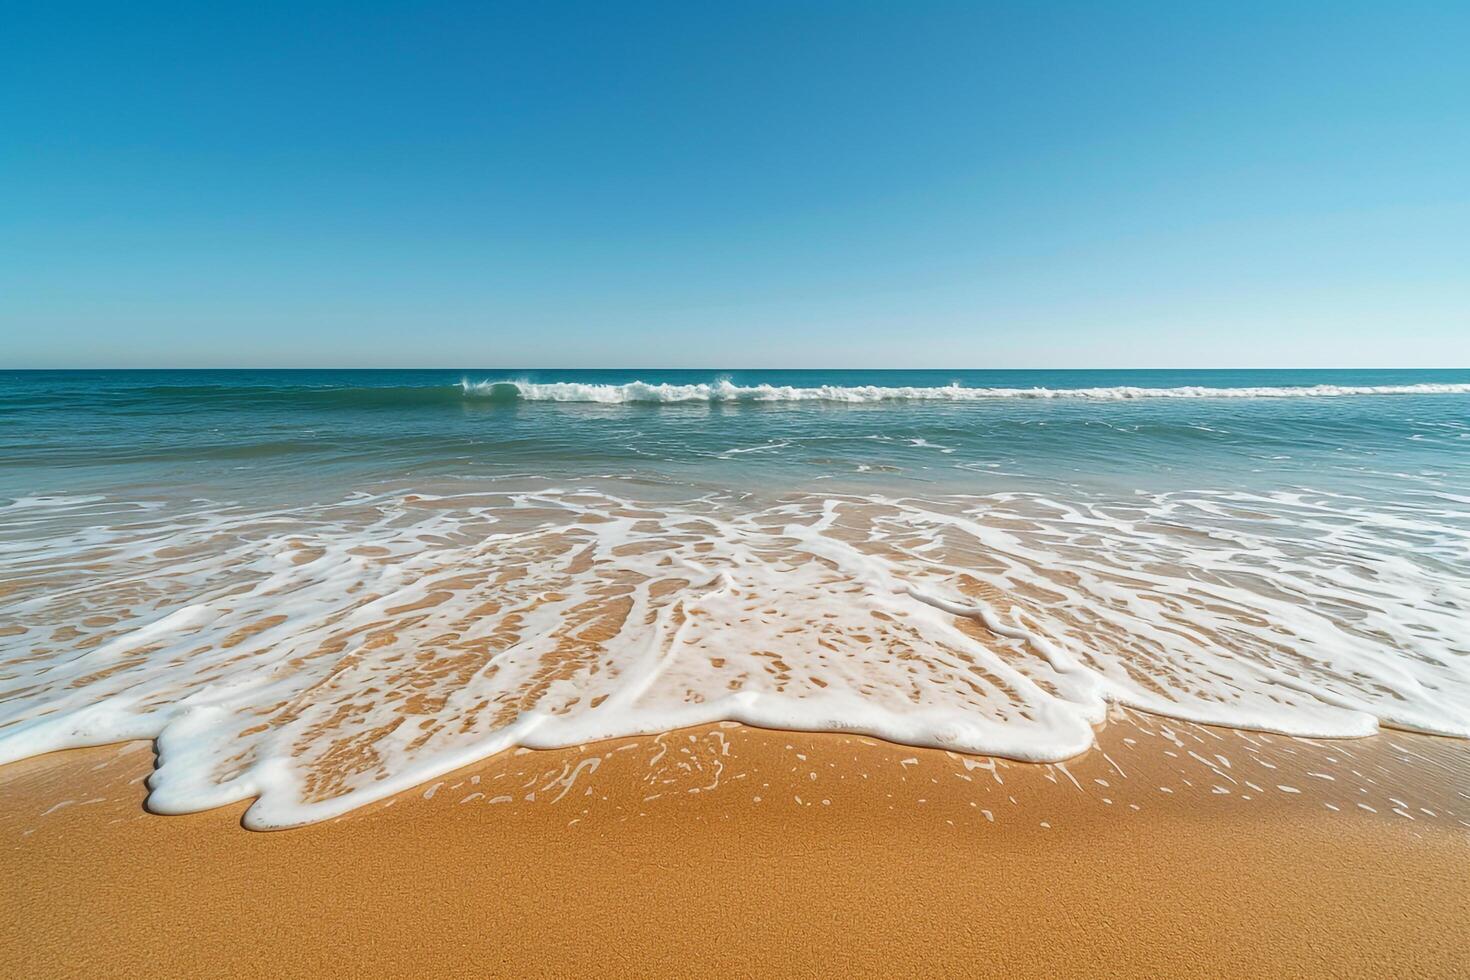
[{"x": 319, "y": 588}]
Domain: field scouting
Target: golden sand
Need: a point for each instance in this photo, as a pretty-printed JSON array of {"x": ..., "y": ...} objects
[{"x": 1170, "y": 849}]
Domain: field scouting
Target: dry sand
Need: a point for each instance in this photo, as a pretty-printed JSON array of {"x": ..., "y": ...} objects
[{"x": 1171, "y": 849}]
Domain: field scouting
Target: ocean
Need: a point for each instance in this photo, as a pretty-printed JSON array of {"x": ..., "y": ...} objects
[{"x": 319, "y": 588}]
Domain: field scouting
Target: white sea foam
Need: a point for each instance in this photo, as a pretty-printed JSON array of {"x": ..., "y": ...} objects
[
  {"x": 322, "y": 658},
  {"x": 642, "y": 392}
]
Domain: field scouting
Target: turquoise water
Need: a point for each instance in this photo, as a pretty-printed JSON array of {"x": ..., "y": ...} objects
[
  {"x": 318, "y": 588},
  {"x": 320, "y": 433}
]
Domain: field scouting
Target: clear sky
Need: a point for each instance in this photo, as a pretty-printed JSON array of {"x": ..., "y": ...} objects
[{"x": 709, "y": 184}]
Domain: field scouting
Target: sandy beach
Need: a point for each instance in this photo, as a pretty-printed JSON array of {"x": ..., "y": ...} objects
[{"x": 1171, "y": 848}]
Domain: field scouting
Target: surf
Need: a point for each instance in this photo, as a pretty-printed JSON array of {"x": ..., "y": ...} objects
[
  {"x": 722, "y": 391},
  {"x": 319, "y": 658}
]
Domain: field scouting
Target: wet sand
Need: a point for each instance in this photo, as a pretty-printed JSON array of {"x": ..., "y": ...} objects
[{"x": 1170, "y": 849}]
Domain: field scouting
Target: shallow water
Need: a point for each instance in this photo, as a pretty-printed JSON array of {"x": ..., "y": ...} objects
[{"x": 320, "y": 588}]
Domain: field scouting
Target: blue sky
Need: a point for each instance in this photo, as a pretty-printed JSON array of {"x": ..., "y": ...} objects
[{"x": 735, "y": 185}]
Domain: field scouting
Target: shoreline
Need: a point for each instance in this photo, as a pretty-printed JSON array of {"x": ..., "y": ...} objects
[{"x": 751, "y": 850}]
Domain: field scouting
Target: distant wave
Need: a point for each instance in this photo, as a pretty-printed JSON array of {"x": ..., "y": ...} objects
[{"x": 722, "y": 392}]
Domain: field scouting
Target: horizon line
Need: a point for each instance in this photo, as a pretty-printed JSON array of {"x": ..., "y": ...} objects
[{"x": 936, "y": 370}]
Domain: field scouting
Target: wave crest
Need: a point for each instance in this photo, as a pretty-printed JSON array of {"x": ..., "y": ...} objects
[{"x": 727, "y": 392}]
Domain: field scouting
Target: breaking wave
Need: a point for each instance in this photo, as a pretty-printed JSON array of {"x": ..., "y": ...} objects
[{"x": 721, "y": 392}]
